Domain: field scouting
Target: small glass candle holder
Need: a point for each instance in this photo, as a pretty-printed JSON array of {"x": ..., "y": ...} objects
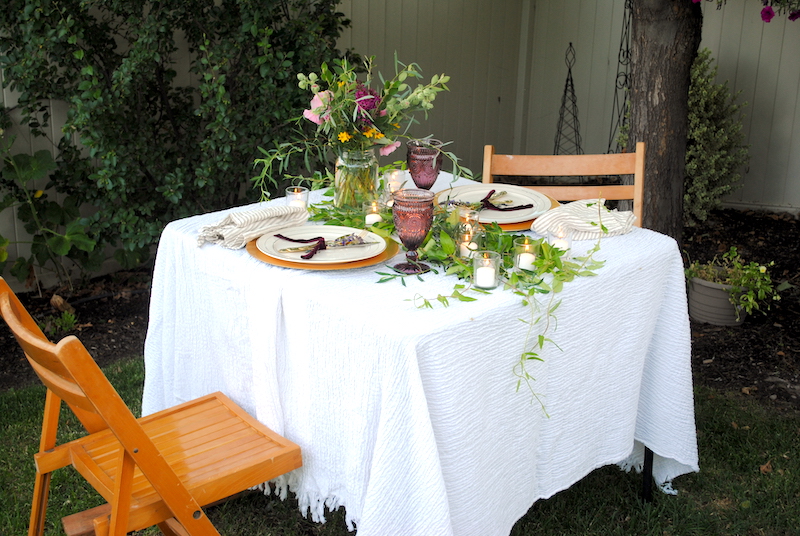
[
  {"x": 297, "y": 196},
  {"x": 393, "y": 181},
  {"x": 486, "y": 269},
  {"x": 372, "y": 213},
  {"x": 468, "y": 216},
  {"x": 524, "y": 253},
  {"x": 469, "y": 241},
  {"x": 561, "y": 238}
]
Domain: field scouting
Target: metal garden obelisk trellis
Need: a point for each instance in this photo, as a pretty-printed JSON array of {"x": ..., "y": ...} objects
[
  {"x": 568, "y": 135},
  {"x": 619, "y": 116}
]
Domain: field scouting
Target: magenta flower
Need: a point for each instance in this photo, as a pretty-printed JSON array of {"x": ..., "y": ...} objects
[
  {"x": 767, "y": 13},
  {"x": 366, "y": 98},
  {"x": 794, "y": 15},
  {"x": 697, "y": 1},
  {"x": 320, "y": 101},
  {"x": 386, "y": 150}
]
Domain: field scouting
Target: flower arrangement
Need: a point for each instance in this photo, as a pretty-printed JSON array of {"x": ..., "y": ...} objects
[
  {"x": 354, "y": 113},
  {"x": 351, "y": 115},
  {"x": 751, "y": 286}
]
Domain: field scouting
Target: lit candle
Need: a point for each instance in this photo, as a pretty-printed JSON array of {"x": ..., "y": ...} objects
[
  {"x": 485, "y": 269},
  {"x": 373, "y": 215},
  {"x": 561, "y": 239},
  {"x": 467, "y": 248},
  {"x": 297, "y": 196},
  {"x": 394, "y": 180}
]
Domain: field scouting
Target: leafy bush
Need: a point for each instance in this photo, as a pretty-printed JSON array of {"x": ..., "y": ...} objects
[
  {"x": 715, "y": 150},
  {"x": 140, "y": 146}
]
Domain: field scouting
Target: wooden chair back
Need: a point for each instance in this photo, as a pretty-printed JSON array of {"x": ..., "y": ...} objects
[
  {"x": 122, "y": 460},
  {"x": 574, "y": 166}
]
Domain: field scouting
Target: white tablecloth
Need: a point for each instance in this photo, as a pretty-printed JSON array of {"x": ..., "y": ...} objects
[{"x": 409, "y": 417}]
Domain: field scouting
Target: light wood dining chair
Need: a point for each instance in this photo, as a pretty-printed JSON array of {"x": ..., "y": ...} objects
[
  {"x": 156, "y": 470},
  {"x": 594, "y": 165}
]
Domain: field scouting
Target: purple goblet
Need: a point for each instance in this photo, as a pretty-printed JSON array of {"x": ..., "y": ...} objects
[
  {"x": 413, "y": 214},
  {"x": 424, "y": 161}
]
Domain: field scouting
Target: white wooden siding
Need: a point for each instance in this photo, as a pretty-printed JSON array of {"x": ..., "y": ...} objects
[{"x": 506, "y": 62}]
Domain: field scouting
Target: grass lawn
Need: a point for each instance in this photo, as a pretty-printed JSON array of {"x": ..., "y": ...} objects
[{"x": 749, "y": 482}]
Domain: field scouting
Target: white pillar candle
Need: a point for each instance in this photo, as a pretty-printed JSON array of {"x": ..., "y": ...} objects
[
  {"x": 372, "y": 218},
  {"x": 525, "y": 261},
  {"x": 466, "y": 249},
  {"x": 485, "y": 277}
]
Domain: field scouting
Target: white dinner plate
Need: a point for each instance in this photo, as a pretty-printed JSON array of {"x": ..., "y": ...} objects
[
  {"x": 270, "y": 245},
  {"x": 518, "y": 195}
]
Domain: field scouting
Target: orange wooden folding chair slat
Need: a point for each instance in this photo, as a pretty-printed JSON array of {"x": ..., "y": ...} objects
[
  {"x": 574, "y": 166},
  {"x": 156, "y": 470}
]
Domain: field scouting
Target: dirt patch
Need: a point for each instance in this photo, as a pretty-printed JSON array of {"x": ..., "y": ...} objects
[{"x": 759, "y": 359}]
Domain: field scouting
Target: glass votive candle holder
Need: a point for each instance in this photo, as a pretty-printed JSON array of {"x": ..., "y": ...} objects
[
  {"x": 372, "y": 213},
  {"x": 524, "y": 253},
  {"x": 469, "y": 241},
  {"x": 297, "y": 196},
  {"x": 393, "y": 181},
  {"x": 468, "y": 216},
  {"x": 486, "y": 269},
  {"x": 561, "y": 238}
]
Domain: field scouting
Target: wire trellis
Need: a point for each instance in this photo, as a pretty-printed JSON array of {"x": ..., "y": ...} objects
[{"x": 568, "y": 135}]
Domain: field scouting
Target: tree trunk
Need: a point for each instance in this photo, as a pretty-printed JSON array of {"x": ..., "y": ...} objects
[{"x": 665, "y": 38}]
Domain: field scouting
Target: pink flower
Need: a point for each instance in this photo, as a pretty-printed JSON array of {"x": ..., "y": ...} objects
[
  {"x": 794, "y": 15},
  {"x": 386, "y": 150},
  {"x": 320, "y": 100},
  {"x": 767, "y": 13},
  {"x": 697, "y": 1}
]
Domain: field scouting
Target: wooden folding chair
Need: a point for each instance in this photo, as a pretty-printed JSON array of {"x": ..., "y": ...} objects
[
  {"x": 156, "y": 470},
  {"x": 574, "y": 166}
]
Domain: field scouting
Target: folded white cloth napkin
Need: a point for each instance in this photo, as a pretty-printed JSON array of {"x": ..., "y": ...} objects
[
  {"x": 584, "y": 218},
  {"x": 236, "y": 229}
]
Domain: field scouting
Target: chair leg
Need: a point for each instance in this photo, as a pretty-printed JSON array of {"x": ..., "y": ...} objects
[
  {"x": 41, "y": 490},
  {"x": 647, "y": 476}
]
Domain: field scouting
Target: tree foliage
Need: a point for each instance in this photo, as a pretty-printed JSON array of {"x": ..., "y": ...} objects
[
  {"x": 715, "y": 149},
  {"x": 149, "y": 138}
]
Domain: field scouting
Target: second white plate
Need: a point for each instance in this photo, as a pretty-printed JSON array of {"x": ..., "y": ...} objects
[
  {"x": 270, "y": 245},
  {"x": 517, "y": 195}
]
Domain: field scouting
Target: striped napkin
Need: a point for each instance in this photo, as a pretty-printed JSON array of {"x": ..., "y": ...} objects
[
  {"x": 236, "y": 229},
  {"x": 584, "y": 218}
]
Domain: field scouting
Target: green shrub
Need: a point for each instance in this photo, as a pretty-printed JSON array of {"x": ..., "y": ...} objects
[
  {"x": 138, "y": 146},
  {"x": 715, "y": 150}
]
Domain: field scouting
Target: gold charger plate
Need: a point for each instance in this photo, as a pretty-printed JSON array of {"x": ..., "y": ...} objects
[
  {"x": 391, "y": 250},
  {"x": 516, "y": 226}
]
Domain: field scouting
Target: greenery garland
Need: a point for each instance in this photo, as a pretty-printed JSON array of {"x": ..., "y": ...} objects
[{"x": 538, "y": 288}]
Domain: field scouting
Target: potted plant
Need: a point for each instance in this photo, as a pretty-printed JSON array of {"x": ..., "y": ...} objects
[{"x": 724, "y": 291}]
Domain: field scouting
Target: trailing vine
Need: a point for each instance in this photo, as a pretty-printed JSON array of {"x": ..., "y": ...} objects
[{"x": 538, "y": 288}]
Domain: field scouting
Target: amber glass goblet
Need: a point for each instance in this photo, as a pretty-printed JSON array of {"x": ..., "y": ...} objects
[
  {"x": 413, "y": 215},
  {"x": 424, "y": 161}
]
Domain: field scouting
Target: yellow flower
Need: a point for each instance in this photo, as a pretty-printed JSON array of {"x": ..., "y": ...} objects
[
  {"x": 344, "y": 137},
  {"x": 38, "y": 194},
  {"x": 341, "y": 83},
  {"x": 370, "y": 133},
  {"x": 762, "y": 269},
  {"x": 379, "y": 135}
]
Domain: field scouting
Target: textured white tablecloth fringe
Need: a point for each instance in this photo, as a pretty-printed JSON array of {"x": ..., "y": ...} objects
[
  {"x": 236, "y": 229},
  {"x": 584, "y": 218}
]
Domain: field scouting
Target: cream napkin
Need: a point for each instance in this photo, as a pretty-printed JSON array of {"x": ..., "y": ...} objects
[
  {"x": 584, "y": 218},
  {"x": 236, "y": 229}
]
